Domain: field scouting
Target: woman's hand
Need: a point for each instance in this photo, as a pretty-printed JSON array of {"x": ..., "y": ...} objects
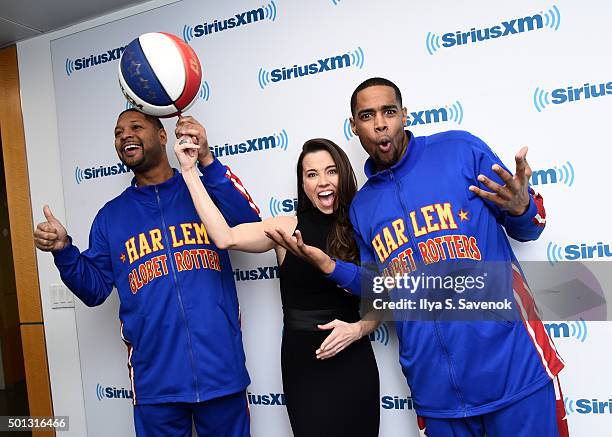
[
  {"x": 310, "y": 254},
  {"x": 187, "y": 126},
  {"x": 186, "y": 153},
  {"x": 342, "y": 335}
]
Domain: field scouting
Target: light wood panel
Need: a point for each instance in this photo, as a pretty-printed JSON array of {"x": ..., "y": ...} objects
[
  {"x": 17, "y": 187},
  {"x": 37, "y": 376},
  {"x": 24, "y": 255}
]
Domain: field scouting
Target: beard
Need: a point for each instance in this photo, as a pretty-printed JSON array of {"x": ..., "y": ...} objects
[
  {"x": 133, "y": 164},
  {"x": 383, "y": 163}
]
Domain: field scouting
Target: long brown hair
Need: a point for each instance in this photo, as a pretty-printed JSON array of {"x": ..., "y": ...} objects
[{"x": 340, "y": 242}]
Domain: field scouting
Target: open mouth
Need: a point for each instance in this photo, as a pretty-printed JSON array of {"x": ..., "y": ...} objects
[
  {"x": 327, "y": 198},
  {"x": 131, "y": 149},
  {"x": 384, "y": 146}
]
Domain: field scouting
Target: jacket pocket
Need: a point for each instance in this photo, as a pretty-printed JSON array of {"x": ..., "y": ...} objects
[
  {"x": 132, "y": 328},
  {"x": 500, "y": 319}
]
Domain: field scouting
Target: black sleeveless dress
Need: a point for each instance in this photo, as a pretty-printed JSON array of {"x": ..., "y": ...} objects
[{"x": 338, "y": 396}]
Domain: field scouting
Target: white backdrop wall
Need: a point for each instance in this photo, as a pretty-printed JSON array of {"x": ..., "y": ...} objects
[{"x": 508, "y": 90}]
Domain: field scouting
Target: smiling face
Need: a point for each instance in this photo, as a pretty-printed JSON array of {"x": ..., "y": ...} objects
[
  {"x": 320, "y": 180},
  {"x": 379, "y": 123},
  {"x": 140, "y": 144}
]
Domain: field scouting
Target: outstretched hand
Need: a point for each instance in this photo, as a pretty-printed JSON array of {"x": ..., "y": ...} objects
[
  {"x": 50, "y": 236},
  {"x": 186, "y": 153},
  {"x": 342, "y": 335},
  {"x": 295, "y": 244},
  {"x": 514, "y": 195}
]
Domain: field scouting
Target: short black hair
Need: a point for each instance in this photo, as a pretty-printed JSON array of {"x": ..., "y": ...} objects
[
  {"x": 153, "y": 119},
  {"x": 374, "y": 81}
]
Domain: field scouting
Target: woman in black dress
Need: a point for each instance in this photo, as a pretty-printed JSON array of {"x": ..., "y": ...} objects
[{"x": 330, "y": 380}]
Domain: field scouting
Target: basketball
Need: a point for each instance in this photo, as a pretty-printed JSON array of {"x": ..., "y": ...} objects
[{"x": 160, "y": 74}]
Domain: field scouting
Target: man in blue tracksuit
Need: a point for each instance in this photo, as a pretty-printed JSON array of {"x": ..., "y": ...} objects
[
  {"x": 179, "y": 310},
  {"x": 431, "y": 201}
]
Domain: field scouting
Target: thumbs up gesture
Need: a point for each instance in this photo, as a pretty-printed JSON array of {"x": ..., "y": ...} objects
[{"x": 51, "y": 235}]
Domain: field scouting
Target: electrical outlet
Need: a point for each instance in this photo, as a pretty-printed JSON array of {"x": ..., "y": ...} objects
[{"x": 61, "y": 297}]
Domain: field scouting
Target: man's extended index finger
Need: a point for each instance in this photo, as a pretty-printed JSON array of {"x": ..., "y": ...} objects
[{"x": 521, "y": 162}]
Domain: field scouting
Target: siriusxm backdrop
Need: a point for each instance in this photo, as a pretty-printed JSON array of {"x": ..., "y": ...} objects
[{"x": 533, "y": 73}]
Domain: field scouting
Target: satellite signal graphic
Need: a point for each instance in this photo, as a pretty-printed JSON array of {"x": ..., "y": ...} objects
[
  {"x": 432, "y": 43},
  {"x": 381, "y": 334},
  {"x": 565, "y": 173},
  {"x": 282, "y": 139},
  {"x": 541, "y": 99},
  {"x": 129, "y": 105},
  {"x": 357, "y": 57},
  {"x": 553, "y": 18},
  {"x": 78, "y": 175},
  {"x": 455, "y": 112},
  {"x": 204, "y": 91},
  {"x": 187, "y": 33},
  {"x": 69, "y": 66},
  {"x": 263, "y": 78},
  {"x": 275, "y": 207},
  {"x": 554, "y": 253},
  {"x": 579, "y": 330},
  {"x": 100, "y": 392},
  {"x": 270, "y": 11},
  {"x": 348, "y": 133},
  {"x": 569, "y": 405}
]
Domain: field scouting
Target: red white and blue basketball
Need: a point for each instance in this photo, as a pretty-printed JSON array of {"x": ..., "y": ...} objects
[{"x": 160, "y": 74}]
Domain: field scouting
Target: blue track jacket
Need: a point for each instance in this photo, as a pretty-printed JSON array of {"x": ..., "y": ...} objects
[
  {"x": 179, "y": 310},
  {"x": 420, "y": 213}
]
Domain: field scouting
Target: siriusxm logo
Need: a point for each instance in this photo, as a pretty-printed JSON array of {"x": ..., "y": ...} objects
[
  {"x": 542, "y": 98},
  {"x": 449, "y": 113},
  {"x": 381, "y": 335},
  {"x": 353, "y": 58},
  {"x": 389, "y": 402},
  {"x": 452, "y": 112},
  {"x": 573, "y": 252},
  {"x": 559, "y": 174},
  {"x": 270, "y": 399},
  {"x": 275, "y": 141},
  {"x": 587, "y": 406},
  {"x": 267, "y": 12},
  {"x": 93, "y": 60},
  {"x": 271, "y": 272},
  {"x": 550, "y": 19},
  {"x": 99, "y": 172},
  {"x": 284, "y": 206},
  {"x": 576, "y": 329},
  {"x": 112, "y": 393}
]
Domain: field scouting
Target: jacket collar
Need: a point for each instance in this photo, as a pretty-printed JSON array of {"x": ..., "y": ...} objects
[{"x": 150, "y": 191}]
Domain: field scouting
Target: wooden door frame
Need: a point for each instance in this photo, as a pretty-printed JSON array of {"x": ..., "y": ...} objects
[{"x": 21, "y": 226}]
